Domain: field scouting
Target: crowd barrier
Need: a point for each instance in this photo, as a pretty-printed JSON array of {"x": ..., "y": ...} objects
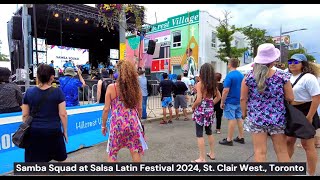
[
  {"x": 94, "y": 93},
  {"x": 154, "y": 101},
  {"x": 84, "y": 130}
]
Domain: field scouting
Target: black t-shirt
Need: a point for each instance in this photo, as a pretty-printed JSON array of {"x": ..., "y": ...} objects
[
  {"x": 180, "y": 88},
  {"x": 220, "y": 88},
  {"x": 166, "y": 87}
]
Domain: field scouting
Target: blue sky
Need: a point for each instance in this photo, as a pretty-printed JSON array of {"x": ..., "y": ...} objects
[{"x": 267, "y": 16}]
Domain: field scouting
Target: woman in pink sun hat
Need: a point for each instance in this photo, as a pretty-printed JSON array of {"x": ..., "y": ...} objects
[{"x": 263, "y": 92}]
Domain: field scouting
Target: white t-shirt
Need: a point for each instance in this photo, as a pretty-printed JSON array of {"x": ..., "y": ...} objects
[
  {"x": 187, "y": 81},
  {"x": 306, "y": 87}
]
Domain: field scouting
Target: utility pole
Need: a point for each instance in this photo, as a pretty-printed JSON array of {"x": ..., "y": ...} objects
[
  {"x": 280, "y": 43},
  {"x": 25, "y": 43},
  {"x": 122, "y": 32}
]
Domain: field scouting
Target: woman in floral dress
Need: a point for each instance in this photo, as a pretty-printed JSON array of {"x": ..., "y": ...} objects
[
  {"x": 125, "y": 129},
  {"x": 263, "y": 92},
  {"x": 203, "y": 109}
]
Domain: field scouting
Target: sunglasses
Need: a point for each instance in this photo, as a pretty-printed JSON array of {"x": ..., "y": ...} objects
[{"x": 293, "y": 62}]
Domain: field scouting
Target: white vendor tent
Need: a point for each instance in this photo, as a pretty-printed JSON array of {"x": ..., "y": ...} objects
[{"x": 248, "y": 67}]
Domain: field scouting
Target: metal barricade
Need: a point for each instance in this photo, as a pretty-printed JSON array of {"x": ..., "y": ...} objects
[
  {"x": 85, "y": 92},
  {"x": 94, "y": 93},
  {"x": 24, "y": 89},
  {"x": 154, "y": 101}
]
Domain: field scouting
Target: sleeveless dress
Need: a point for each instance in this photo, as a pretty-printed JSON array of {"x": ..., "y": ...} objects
[
  {"x": 204, "y": 114},
  {"x": 125, "y": 130}
]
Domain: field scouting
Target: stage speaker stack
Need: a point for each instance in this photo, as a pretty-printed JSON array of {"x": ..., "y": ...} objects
[
  {"x": 151, "y": 47},
  {"x": 17, "y": 27}
]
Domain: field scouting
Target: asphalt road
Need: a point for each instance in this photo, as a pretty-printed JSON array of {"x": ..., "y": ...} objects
[{"x": 177, "y": 142}]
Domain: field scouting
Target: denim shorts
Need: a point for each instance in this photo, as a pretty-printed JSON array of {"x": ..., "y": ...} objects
[
  {"x": 232, "y": 112},
  {"x": 254, "y": 128},
  {"x": 166, "y": 102}
]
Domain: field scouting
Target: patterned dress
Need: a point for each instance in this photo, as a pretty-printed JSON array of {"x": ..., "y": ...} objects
[
  {"x": 267, "y": 110},
  {"x": 204, "y": 113},
  {"x": 125, "y": 130}
]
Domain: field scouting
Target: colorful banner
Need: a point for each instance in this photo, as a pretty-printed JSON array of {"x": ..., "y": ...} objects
[
  {"x": 285, "y": 40},
  {"x": 122, "y": 51},
  {"x": 61, "y": 54},
  {"x": 84, "y": 130}
]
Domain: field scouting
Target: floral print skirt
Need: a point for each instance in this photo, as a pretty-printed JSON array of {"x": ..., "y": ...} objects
[{"x": 204, "y": 114}]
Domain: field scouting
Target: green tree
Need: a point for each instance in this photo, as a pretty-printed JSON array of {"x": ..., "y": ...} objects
[
  {"x": 256, "y": 36},
  {"x": 225, "y": 35},
  {"x": 301, "y": 51},
  {"x": 3, "y": 57}
]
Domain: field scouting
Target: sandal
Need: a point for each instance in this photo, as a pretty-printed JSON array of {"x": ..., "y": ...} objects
[
  {"x": 208, "y": 154},
  {"x": 163, "y": 122},
  {"x": 170, "y": 121},
  {"x": 186, "y": 119},
  {"x": 177, "y": 118},
  {"x": 198, "y": 161}
]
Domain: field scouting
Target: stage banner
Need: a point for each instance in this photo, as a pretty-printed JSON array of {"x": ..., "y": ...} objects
[
  {"x": 61, "y": 54},
  {"x": 122, "y": 51},
  {"x": 84, "y": 122}
]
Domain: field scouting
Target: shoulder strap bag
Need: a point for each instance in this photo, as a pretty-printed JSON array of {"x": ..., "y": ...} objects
[
  {"x": 18, "y": 137},
  {"x": 297, "y": 124}
]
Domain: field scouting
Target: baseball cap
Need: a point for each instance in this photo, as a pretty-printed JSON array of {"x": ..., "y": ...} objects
[{"x": 299, "y": 57}]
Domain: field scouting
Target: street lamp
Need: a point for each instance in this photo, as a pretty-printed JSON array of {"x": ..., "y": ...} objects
[
  {"x": 287, "y": 32},
  {"x": 313, "y": 52}
]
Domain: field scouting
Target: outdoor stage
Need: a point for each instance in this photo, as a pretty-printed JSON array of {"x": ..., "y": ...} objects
[{"x": 69, "y": 25}]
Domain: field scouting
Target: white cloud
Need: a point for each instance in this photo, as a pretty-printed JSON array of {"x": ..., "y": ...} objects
[
  {"x": 295, "y": 11},
  {"x": 6, "y": 12}
]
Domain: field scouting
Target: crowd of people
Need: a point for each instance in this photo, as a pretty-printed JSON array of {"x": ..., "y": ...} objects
[{"x": 254, "y": 103}]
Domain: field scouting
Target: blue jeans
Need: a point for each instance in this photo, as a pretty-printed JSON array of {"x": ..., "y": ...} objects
[{"x": 144, "y": 107}]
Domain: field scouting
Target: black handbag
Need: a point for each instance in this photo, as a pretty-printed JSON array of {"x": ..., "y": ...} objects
[
  {"x": 297, "y": 125},
  {"x": 18, "y": 137}
]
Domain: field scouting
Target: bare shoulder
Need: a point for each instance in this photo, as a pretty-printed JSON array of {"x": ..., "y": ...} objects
[{"x": 111, "y": 87}]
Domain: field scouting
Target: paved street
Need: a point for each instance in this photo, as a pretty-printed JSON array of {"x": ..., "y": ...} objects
[{"x": 177, "y": 143}]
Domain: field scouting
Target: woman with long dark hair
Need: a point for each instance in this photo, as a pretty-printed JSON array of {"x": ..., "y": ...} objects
[
  {"x": 125, "y": 99},
  {"x": 306, "y": 99},
  {"x": 203, "y": 109}
]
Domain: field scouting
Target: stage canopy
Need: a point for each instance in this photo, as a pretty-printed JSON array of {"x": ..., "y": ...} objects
[{"x": 75, "y": 25}]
